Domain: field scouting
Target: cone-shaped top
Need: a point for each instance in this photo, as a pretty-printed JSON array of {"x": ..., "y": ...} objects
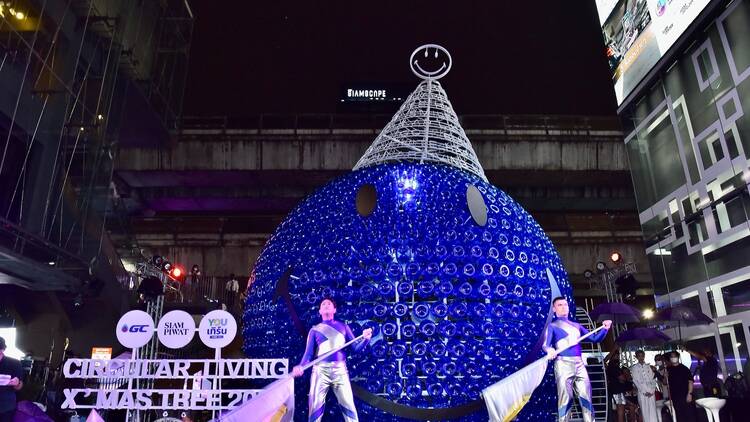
[{"x": 425, "y": 128}]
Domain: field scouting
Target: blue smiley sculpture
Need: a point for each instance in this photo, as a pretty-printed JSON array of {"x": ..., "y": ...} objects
[{"x": 451, "y": 273}]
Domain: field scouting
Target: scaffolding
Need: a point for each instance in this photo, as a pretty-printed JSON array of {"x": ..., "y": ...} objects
[{"x": 77, "y": 69}]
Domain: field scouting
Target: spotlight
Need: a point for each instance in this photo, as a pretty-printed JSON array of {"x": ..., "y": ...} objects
[
  {"x": 588, "y": 273},
  {"x": 196, "y": 270},
  {"x": 601, "y": 266},
  {"x": 648, "y": 313},
  {"x": 166, "y": 266},
  {"x": 20, "y": 16},
  {"x": 176, "y": 273},
  {"x": 51, "y": 263},
  {"x": 615, "y": 257}
]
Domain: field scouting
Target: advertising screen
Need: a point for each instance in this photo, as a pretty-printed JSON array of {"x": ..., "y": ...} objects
[{"x": 637, "y": 33}]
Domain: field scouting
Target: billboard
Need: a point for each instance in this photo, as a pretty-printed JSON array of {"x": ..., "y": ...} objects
[{"x": 637, "y": 33}]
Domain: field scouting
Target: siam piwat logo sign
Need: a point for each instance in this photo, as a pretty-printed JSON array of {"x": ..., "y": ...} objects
[{"x": 176, "y": 329}]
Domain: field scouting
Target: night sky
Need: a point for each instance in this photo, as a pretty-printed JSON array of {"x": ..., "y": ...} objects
[{"x": 509, "y": 57}]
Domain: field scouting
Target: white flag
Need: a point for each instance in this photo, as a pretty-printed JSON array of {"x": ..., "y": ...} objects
[
  {"x": 274, "y": 404},
  {"x": 507, "y": 397}
]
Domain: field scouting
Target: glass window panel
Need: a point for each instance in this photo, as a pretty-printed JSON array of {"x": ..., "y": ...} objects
[
  {"x": 711, "y": 302},
  {"x": 659, "y": 276},
  {"x": 683, "y": 270},
  {"x": 663, "y": 154},
  {"x": 728, "y": 258},
  {"x": 736, "y": 297},
  {"x": 735, "y": 351},
  {"x": 640, "y": 170}
]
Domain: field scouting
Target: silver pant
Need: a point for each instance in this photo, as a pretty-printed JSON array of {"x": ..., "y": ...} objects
[
  {"x": 570, "y": 376},
  {"x": 324, "y": 376}
]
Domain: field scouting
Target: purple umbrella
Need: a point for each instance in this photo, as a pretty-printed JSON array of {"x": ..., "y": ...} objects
[
  {"x": 642, "y": 336},
  {"x": 682, "y": 315},
  {"x": 618, "y": 312},
  {"x": 27, "y": 411}
]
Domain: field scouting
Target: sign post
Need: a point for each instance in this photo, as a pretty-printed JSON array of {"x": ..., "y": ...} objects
[{"x": 176, "y": 329}]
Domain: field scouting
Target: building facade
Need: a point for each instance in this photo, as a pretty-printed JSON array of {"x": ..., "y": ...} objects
[{"x": 688, "y": 144}]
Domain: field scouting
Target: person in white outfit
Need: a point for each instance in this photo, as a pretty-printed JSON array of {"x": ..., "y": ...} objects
[{"x": 644, "y": 378}]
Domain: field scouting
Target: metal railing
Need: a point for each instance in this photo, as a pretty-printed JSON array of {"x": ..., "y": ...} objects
[
  {"x": 210, "y": 291},
  {"x": 331, "y": 122},
  {"x": 596, "y": 370}
]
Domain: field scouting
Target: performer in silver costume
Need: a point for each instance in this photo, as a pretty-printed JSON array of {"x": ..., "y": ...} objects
[
  {"x": 570, "y": 370},
  {"x": 331, "y": 372}
]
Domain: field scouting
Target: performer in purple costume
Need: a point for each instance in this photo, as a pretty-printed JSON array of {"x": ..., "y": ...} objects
[
  {"x": 570, "y": 370},
  {"x": 331, "y": 372}
]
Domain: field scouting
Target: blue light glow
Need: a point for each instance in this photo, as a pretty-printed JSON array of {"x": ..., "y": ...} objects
[{"x": 454, "y": 306}]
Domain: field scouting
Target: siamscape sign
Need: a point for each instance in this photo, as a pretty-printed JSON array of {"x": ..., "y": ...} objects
[{"x": 362, "y": 93}]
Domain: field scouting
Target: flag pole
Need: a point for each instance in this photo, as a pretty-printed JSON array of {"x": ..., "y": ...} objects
[
  {"x": 287, "y": 378},
  {"x": 507, "y": 397},
  {"x": 329, "y": 353}
]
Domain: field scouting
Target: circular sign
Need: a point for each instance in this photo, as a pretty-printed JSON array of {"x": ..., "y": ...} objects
[
  {"x": 176, "y": 329},
  {"x": 477, "y": 207},
  {"x": 217, "y": 329},
  {"x": 367, "y": 199},
  {"x": 430, "y": 61},
  {"x": 135, "y": 329}
]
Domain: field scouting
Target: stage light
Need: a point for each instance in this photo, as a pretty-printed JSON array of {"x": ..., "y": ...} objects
[
  {"x": 601, "y": 266},
  {"x": 20, "y": 16},
  {"x": 157, "y": 260},
  {"x": 166, "y": 266},
  {"x": 100, "y": 117},
  {"x": 9, "y": 334},
  {"x": 196, "y": 270},
  {"x": 615, "y": 257},
  {"x": 588, "y": 273},
  {"x": 176, "y": 272},
  {"x": 648, "y": 313},
  {"x": 51, "y": 263}
]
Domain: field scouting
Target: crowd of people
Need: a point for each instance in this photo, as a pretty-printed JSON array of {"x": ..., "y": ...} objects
[{"x": 645, "y": 392}]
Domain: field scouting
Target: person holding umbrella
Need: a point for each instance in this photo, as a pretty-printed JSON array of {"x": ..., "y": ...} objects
[
  {"x": 709, "y": 372},
  {"x": 644, "y": 378}
]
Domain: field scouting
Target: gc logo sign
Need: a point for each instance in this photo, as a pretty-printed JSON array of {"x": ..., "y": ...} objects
[{"x": 135, "y": 329}]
